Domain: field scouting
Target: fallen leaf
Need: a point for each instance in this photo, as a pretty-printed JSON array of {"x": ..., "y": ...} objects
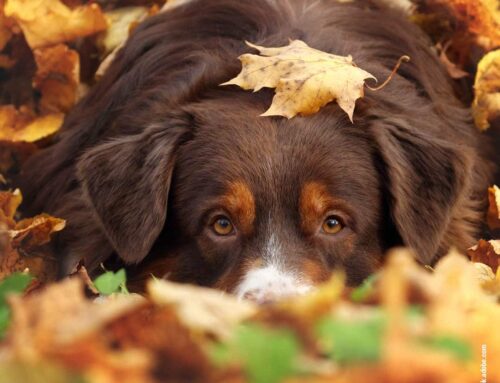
[
  {"x": 5, "y": 29},
  {"x": 57, "y": 78},
  {"x": 487, "y": 252},
  {"x": 21, "y": 124},
  {"x": 201, "y": 309},
  {"x": 23, "y": 243},
  {"x": 482, "y": 18},
  {"x": 120, "y": 22},
  {"x": 36, "y": 231},
  {"x": 305, "y": 78},
  {"x": 486, "y": 104},
  {"x": 111, "y": 282},
  {"x": 9, "y": 202},
  {"x": 48, "y": 22},
  {"x": 493, "y": 217}
]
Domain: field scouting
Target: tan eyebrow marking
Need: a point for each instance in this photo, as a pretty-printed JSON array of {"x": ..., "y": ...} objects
[
  {"x": 314, "y": 201},
  {"x": 240, "y": 203}
]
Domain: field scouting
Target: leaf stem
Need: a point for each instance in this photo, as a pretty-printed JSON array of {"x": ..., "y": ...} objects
[{"x": 404, "y": 58}]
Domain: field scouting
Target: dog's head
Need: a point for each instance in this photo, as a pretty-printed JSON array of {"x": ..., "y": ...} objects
[{"x": 268, "y": 207}]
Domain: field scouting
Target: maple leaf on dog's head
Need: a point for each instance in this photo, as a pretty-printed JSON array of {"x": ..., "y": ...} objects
[{"x": 305, "y": 78}]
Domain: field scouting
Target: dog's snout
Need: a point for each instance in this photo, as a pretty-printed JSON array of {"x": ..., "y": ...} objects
[{"x": 270, "y": 284}]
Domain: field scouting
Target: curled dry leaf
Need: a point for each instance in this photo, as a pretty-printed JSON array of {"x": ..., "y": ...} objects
[
  {"x": 487, "y": 252},
  {"x": 48, "y": 22},
  {"x": 23, "y": 242},
  {"x": 22, "y": 125},
  {"x": 204, "y": 310},
  {"x": 305, "y": 78},
  {"x": 493, "y": 217},
  {"x": 486, "y": 105},
  {"x": 57, "y": 77}
]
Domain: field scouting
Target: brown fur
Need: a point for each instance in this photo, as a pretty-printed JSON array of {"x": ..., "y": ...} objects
[{"x": 144, "y": 159}]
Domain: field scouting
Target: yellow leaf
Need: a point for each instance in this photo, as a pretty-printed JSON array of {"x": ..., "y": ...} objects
[
  {"x": 486, "y": 105},
  {"x": 20, "y": 125},
  {"x": 305, "y": 78},
  {"x": 493, "y": 217},
  {"x": 48, "y": 22}
]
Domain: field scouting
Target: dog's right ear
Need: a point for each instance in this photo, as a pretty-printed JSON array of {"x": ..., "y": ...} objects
[{"x": 126, "y": 182}]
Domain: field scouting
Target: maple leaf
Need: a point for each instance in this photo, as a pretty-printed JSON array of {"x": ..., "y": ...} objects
[
  {"x": 493, "y": 217},
  {"x": 305, "y": 78},
  {"x": 47, "y": 22},
  {"x": 486, "y": 104},
  {"x": 57, "y": 77}
]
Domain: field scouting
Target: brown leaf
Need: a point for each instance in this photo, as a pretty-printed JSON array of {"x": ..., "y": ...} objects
[
  {"x": 493, "y": 217},
  {"x": 487, "y": 252},
  {"x": 305, "y": 78},
  {"x": 9, "y": 202},
  {"x": 57, "y": 77},
  {"x": 36, "y": 231},
  {"x": 48, "y": 22}
]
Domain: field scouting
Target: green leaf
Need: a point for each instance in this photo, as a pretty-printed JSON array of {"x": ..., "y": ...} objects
[
  {"x": 110, "y": 282},
  {"x": 352, "y": 341},
  {"x": 14, "y": 283},
  {"x": 459, "y": 348},
  {"x": 267, "y": 355},
  {"x": 363, "y": 291}
]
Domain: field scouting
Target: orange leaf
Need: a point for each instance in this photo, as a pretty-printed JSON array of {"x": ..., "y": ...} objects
[{"x": 47, "y": 22}]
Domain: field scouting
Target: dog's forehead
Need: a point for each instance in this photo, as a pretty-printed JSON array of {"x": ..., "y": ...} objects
[{"x": 273, "y": 156}]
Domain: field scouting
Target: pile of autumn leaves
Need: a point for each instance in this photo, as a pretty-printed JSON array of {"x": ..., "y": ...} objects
[{"x": 404, "y": 324}]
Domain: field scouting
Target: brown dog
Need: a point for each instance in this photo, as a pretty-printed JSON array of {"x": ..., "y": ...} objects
[{"x": 160, "y": 162}]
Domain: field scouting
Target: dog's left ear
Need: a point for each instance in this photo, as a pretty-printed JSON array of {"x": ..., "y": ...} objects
[
  {"x": 126, "y": 183},
  {"x": 426, "y": 177}
]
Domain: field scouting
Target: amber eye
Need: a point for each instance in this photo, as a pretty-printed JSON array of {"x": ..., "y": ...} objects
[
  {"x": 222, "y": 226},
  {"x": 332, "y": 225}
]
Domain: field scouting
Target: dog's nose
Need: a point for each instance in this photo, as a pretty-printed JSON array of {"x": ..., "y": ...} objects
[{"x": 261, "y": 298}]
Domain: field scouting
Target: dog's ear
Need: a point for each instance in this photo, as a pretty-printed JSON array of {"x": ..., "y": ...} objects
[
  {"x": 426, "y": 177},
  {"x": 126, "y": 182}
]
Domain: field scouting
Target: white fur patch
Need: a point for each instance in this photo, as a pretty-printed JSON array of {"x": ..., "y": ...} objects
[
  {"x": 269, "y": 283},
  {"x": 272, "y": 281}
]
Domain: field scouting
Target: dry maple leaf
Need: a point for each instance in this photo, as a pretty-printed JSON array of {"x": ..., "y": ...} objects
[
  {"x": 493, "y": 217},
  {"x": 486, "y": 105},
  {"x": 305, "y": 78},
  {"x": 22, "y": 125},
  {"x": 57, "y": 77},
  {"x": 48, "y": 22},
  {"x": 487, "y": 252}
]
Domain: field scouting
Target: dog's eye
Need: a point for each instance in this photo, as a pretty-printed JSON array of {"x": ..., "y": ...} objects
[
  {"x": 332, "y": 225},
  {"x": 222, "y": 226}
]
